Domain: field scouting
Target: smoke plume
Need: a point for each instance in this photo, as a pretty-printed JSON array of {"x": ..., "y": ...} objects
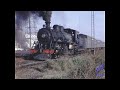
[
  {"x": 21, "y": 17},
  {"x": 24, "y": 15}
]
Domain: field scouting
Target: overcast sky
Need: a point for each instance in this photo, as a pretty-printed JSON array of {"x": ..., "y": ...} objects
[{"x": 80, "y": 21}]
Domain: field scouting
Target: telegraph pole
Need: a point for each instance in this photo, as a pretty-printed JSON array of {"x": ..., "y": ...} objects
[
  {"x": 92, "y": 32},
  {"x": 30, "y": 26},
  {"x": 30, "y": 31}
]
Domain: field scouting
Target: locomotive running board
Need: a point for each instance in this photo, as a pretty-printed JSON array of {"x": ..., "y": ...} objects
[{"x": 41, "y": 57}]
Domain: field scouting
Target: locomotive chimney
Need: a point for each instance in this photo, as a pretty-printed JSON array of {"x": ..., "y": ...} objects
[{"x": 47, "y": 24}]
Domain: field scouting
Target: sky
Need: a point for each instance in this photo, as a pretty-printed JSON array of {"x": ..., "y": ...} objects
[{"x": 78, "y": 20}]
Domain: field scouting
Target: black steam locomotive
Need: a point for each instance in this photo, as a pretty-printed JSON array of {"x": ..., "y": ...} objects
[
  {"x": 59, "y": 41},
  {"x": 54, "y": 42}
]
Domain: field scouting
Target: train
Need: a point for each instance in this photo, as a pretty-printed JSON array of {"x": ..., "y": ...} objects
[{"x": 57, "y": 41}]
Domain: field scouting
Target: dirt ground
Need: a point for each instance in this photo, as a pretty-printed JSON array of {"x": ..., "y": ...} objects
[
  {"x": 31, "y": 69},
  {"x": 27, "y": 69}
]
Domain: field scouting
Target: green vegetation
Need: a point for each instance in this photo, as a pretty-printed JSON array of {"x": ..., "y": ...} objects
[
  {"x": 78, "y": 67},
  {"x": 67, "y": 67}
]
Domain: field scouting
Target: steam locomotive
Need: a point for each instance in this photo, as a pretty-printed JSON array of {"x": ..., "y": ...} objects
[
  {"x": 54, "y": 42},
  {"x": 57, "y": 41}
]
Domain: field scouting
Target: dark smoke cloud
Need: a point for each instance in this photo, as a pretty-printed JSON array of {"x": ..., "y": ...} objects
[
  {"x": 24, "y": 15},
  {"x": 21, "y": 17},
  {"x": 46, "y": 15}
]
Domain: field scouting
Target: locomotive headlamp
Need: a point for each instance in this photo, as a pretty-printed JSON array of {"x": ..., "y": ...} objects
[{"x": 70, "y": 46}]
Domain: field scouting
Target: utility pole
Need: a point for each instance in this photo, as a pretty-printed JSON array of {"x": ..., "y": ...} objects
[
  {"x": 92, "y": 32},
  {"x": 35, "y": 31},
  {"x": 30, "y": 31}
]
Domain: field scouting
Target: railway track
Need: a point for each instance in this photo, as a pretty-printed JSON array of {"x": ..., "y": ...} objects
[
  {"x": 27, "y": 63},
  {"x": 22, "y": 64}
]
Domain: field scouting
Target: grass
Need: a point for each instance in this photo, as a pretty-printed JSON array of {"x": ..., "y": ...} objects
[{"x": 78, "y": 67}]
